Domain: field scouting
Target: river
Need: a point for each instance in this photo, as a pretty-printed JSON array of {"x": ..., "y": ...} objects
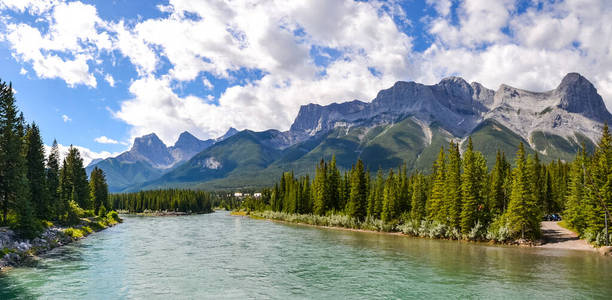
[{"x": 222, "y": 256}]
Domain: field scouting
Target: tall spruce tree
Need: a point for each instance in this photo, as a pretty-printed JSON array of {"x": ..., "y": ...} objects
[
  {"x": 497, "y": 195},
  {"x": 79, "y": 182},
  {"x": 454, "y": 200},
  {"x": 419, "y": 197},
  {"x": 390, "y": 208},
  {"x": 53, "y": 182},
  {"x": 437, "y": 210},
  {"x": 574, "y": 206},
  {"x": 319, "y": 189},
  {"x": 36, "y": 173},
  {"x": 333, "y": 189},
  {"x": 356, "y": 207},
  {"x": 469, "y": 190},
  {"x": 98, "y": 190},
  {"x": 523, "y": 214}
]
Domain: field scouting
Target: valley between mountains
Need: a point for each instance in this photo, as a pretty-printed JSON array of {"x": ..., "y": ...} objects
[{"x": 406, "y": 124}]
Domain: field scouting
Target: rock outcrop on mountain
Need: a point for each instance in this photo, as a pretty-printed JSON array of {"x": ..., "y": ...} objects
[{"x": 403, "y": 125}]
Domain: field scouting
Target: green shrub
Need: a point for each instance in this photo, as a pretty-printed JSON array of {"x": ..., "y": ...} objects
[
  {"x": 73, "y": 232},
  {"x": 102, "y": 211},
  {"x": 87, "y": 213},
  {"x": 46, "y": 224},
  {"x": 113, "y": 215},
  {"x": 74, "y": 213}
]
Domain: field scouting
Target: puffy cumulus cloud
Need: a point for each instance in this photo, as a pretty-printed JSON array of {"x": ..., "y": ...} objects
[
  {"x": 105, "y": 140},
  {"x": 479, "y": 22},
  {"x": 278, "y": 39},
  {"x": 307, "y": 51},
  {"x": 493, "y": 43},
  {"x": 87, "y": 154},
  {"x": 66, "y": 119},
  {"x": 74, "y": 38}
]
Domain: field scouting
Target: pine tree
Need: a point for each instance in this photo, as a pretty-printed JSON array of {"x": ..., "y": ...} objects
[
  {"x": 523, "y": 214},
  {"x": 574, "y": 207},
  {"x": 35, "y": 161},
  {"x": 454, "y": 200},
  {"x": 437, "y": 210},
  {"x": 13, "y": 182},
  {"x": 64, "y": 191},
  {"x": 356, "y": 207},
  {"x": 497, "y": 195},
  {"x": 390, "y": 207},
  {"x": 98, "y": 189},
  {"x": 53, "y": 182},
  {"x": 319, "y": 189},
  {"x": 14, "y": 186},
  {"x": 333, "y": 189},
  {"x": 469, "y": 190},
  {"x": 419, "y": 198},
  {"x": 79, "y": 178},
  {"x": 375, "y": 202}
]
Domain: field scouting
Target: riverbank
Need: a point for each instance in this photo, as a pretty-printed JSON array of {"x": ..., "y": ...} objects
[
  {"x": 15, "y": 251},
  {"x": 551, "y": 238}
]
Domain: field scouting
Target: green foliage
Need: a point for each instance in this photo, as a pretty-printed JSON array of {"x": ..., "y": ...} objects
[
  {"x": 357, "y": 204},
  {"x": 460, "y": 199},
  {"x": 163, "y": 200},
  {"x": 523, "y": 213},
  {"x": 98, "y": 190}
]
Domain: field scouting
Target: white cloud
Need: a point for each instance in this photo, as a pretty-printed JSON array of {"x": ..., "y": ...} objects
[
  {"x": 259, "y": 36},
  {"x": 87, "y": 154},
  {"x": 109, "y": 78},
  {"x": 539, "y": 48},
  {"x": 105, "y": 140},
  {"x": 23, "y": 71},
  {"x": 483, "y": 40},
  {"x": 70, "y": 44},
  {"x": 66, "y": 118}
]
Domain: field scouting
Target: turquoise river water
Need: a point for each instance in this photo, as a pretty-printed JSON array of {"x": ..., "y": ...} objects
[{"x": 221, "y": 256}]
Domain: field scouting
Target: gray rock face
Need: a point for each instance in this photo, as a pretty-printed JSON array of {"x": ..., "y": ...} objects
[
  {"x": 458, "y": 107},
  {"x": 578, "y": 95},
  {"x": 187, "y": 146},
  {"x": 151, "y": 149},
  {"x": 230, "y": 132}
]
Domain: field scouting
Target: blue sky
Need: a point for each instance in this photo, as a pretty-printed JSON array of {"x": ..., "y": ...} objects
[{"x": 98, "y": 73}]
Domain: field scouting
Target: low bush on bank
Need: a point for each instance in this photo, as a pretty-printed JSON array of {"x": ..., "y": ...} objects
[{"x": 498, "y": 231}]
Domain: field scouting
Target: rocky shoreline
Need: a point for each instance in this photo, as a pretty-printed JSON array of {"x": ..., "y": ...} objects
[{"x": 15, "y": 251}]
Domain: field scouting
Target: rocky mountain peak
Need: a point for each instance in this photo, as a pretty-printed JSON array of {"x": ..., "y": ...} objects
[
  {"x": 578, "y": 95},
  {"x": 185, "y": 140},
  {"x": 152, "y": 149},
  {"x": 313, "y": 117},
  {"x": 149, "y": 141},
  {"x": 230, "y": 132}
]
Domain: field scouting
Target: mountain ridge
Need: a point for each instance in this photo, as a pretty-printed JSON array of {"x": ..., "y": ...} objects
[{"x": 406, "y": 124}]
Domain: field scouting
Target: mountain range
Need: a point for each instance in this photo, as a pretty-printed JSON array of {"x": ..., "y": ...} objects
[{"x": 405, "y": 124}]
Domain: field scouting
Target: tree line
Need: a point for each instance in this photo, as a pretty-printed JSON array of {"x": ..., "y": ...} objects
[
  {"x": 34, "y": 187},
  {"x": 460, "y": 194},
  {"x": 164, "y": 200}
]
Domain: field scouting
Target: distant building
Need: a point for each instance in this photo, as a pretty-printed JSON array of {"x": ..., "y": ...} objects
[
  {"x": 257, "y": 195},
  {"x": 237, "y": 194}
]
